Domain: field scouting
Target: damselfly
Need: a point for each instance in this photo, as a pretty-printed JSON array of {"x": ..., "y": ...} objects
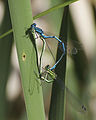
[
  {"x": 45, "y": 38},
  {"x": 48, "y": 75},
  {"x": 39, "y": 32}
]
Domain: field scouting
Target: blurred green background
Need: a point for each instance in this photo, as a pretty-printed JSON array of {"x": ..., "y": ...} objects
[{"x": 80, "y": 70}]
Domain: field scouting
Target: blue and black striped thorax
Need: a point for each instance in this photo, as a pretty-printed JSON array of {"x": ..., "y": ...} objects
[{"x": 38, "y": 30}]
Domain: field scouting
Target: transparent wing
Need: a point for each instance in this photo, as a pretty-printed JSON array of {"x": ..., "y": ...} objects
[
  {"x": 72, "y": 46},
  {"x": 50, "y": 50},
  {"x": 52, "y": 47}
]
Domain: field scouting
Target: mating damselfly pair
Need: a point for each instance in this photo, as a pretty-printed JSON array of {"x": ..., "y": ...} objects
[{"x": 47, "y": 74}]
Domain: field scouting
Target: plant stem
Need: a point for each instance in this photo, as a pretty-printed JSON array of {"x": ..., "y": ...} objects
[{"x": 21, "y": 17}]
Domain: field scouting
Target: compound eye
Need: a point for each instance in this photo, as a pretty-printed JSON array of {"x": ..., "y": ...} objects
[
  {"x": 34, "y": 24},
  {"x": 48, "y": 66}
]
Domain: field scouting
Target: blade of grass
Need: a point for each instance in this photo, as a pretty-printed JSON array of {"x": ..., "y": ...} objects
[
  {"x": 57, "y": 106},
  {"x": 21, "y": 17},
  {"x": 56, "y": 7},
  {"x": 81, "y": 73},
  {"x": 7, "y": 33},
  {"x": 80, "y": 60},
  {"x": 5, "y": 53},
  {"x": 44, "y": 13}
]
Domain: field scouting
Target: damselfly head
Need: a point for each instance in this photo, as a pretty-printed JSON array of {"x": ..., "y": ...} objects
[
  {"x": 33, "y": 25},
  {"x": 47, "y": 67}
]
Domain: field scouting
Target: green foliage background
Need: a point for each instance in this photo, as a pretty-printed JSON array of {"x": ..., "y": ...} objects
[{"x": 78, "y": 71}]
